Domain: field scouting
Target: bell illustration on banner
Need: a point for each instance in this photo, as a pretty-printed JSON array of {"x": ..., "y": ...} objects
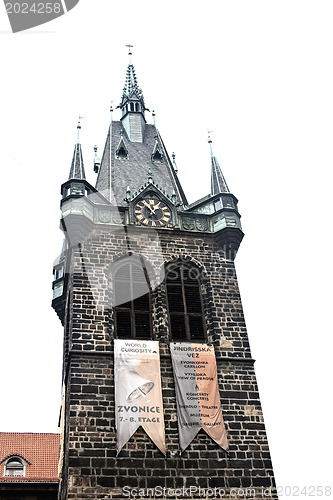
[{"x": 136, "y": 386}]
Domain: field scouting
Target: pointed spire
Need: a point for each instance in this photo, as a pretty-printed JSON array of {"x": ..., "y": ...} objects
[
  {"x": 133, "y": 107},
  {"x": 218, "y": 182},
  {"x": 131, "y": 84},
  {"x": 77, "y": 167},
  {"x": 131, "y": 90}
]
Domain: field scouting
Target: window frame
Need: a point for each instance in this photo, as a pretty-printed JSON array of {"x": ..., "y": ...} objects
[
  {"x": 132, "y": 310},
  {"x": 7, "y": 467},
  {"x": 185, "y": 314}
]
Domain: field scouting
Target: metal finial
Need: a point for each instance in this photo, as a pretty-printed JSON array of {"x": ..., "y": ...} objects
[
  {"x": 128, "y": 193},
  {"x": 97, "y": 161},
  {"x": 150, "y": 176},
  {"x": 79, "y": 121},
  {"x": 174, "y": 163},
  {"x": 210, "y": 142},
  {"x": 173, "y": 197},
  {"x": 78, "y": 126},
  {"x": 129, "y": 49}
]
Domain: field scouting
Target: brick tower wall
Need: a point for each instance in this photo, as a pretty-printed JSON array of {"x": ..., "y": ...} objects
[{"x": 91, "y": 468}]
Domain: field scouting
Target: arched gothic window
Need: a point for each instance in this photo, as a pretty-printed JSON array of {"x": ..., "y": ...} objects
[
  {"x": 185, "y": 309},
  {"x": 132, "y": 301}
]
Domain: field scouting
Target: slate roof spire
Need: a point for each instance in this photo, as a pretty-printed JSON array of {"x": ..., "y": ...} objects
[
  {"x": 131, "y": 83},
  {"x": 132, "y": 97},
  {"x": 77, "y": 167},
  {"x": 133, "y": 145},
  {"x": 218, "y": 182}
]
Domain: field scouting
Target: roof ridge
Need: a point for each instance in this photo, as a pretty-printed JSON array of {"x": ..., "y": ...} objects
[{"x": 33, "y": 433}]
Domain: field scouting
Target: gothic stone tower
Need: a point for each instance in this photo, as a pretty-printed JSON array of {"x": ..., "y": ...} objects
[{"x": 124, "y": 238}]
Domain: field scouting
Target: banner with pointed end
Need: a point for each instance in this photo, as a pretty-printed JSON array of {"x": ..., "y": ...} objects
[
  {"x": 197, "y": 393},
  {"x": 138, "y": 392}
]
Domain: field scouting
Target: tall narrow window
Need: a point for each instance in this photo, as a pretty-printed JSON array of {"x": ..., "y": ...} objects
[
  {"x": 185, "y": 303},
  {"x": 132, "y": 302}
]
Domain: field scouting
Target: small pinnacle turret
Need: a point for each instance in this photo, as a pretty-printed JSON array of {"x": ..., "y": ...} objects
[
  {"x": 77, "y": 166},
  {"x": 97, "y": 161},
  {"x": 132, "y": 93},
  {"x": 132, "y": 106},
  {"x": 218, "y": 182}
]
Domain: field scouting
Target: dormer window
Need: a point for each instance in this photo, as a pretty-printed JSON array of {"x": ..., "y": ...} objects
[
  {"x": 121, "y": 152},
  {"x": 157, "y": 156},
  {"x": 137, "y": 107},
  {"x": 132, "y": 106},
  {"x": 15, "y": 467}
]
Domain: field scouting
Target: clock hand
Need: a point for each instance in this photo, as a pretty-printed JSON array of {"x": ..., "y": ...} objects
[
  {"x": 147, "y": 205},
  {"x": 154, "y": 208}
]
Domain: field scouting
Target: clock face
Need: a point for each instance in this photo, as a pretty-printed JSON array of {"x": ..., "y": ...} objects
[{"x": 152, "y": 212}]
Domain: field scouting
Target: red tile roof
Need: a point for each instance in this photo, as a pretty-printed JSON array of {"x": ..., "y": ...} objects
[{"x": 41, "y": 451}]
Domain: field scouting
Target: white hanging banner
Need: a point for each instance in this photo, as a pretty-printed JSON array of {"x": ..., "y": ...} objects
[
  {"x": 197, "y": 393},
  {"x": 138, "y": 392}
]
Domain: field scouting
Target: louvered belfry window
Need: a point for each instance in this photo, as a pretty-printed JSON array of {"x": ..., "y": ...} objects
[
  {"x": 185, "y": 303},
  {"x": 132, "y": 301}
]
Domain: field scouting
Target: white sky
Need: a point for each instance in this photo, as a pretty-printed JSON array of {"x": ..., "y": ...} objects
[{"x": 257, "y": 73}]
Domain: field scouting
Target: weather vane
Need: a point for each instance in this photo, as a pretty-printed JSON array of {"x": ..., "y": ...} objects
[
  {"x": 79, "y": 121},
  {"x": 129, "y": 49}
]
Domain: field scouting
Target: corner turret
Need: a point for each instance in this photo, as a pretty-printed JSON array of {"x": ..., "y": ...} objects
[{"x": 77, "y": 166}]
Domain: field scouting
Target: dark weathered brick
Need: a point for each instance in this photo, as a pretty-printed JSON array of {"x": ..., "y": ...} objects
[{"x": 90, "y": 451}]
